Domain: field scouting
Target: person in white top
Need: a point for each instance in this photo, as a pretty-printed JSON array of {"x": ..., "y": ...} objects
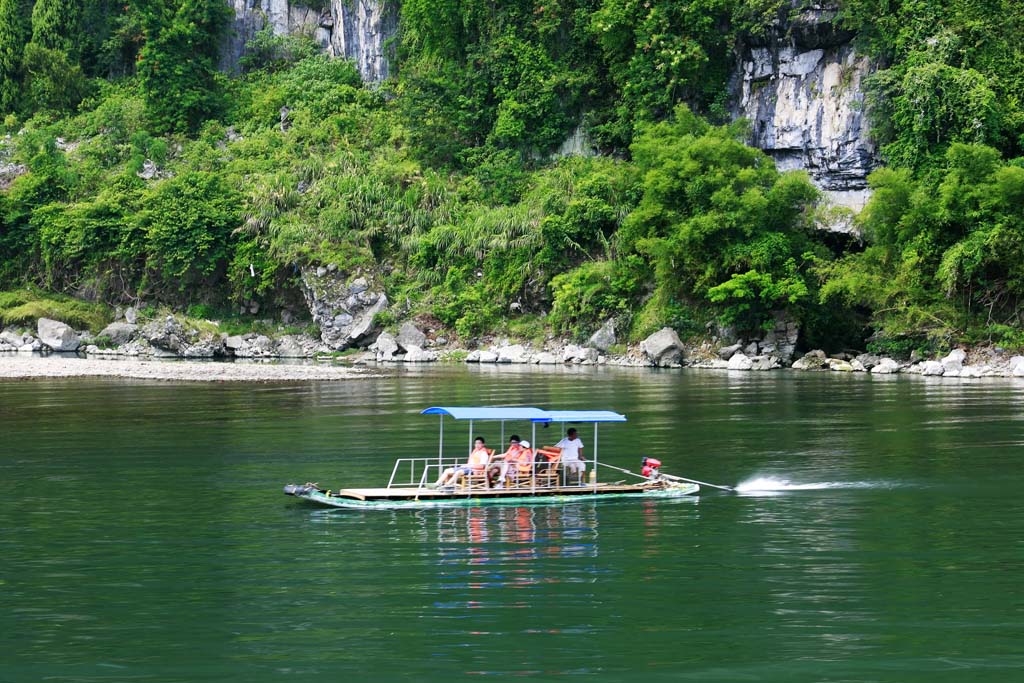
[{"x": 572, "y": 455}]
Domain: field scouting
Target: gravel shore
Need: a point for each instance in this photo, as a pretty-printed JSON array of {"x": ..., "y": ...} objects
[{"x": 13, "y": 367}]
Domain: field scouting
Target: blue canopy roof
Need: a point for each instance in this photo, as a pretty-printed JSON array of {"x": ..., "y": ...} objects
[
  {"x": 582, "y": 416},
  {"x": 488, "y": 413},
  {"x": 525, "y": 413}
]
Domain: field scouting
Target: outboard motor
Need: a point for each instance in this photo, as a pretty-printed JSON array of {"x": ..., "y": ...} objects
[
  {"x": 649, "y": 467},
  {"x": 299, "y": 490}
]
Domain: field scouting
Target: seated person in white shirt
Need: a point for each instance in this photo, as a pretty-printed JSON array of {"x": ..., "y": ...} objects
[{"x": 572, "y": 456}]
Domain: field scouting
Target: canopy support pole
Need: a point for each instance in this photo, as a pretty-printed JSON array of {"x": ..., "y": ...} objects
[
  {"x": 440, "y": 448},
  {"x": 470, "y": 436},
  {"x": 595, "y": 456}
]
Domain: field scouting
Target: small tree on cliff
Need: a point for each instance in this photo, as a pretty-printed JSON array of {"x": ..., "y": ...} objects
[
  {"x": 53, "y": 77},
  {"x": 14, "y": 32},
  {"x": 178, "y": 63}
]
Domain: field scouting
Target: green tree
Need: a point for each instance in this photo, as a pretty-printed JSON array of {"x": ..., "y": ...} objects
[
  {"x": 178, "y": 63},
  {"x": 14, "y": 33},
  {"x": 53, "y": 77}
]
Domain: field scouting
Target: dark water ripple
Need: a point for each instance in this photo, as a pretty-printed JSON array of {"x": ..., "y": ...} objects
[{"x": 143, "y": 536}]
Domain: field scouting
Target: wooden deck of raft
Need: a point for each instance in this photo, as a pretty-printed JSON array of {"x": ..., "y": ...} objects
[{"x": 457, "y": 493}]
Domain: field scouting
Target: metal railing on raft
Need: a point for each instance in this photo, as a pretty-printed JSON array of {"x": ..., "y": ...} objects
[{"x": 420, "y": 469}]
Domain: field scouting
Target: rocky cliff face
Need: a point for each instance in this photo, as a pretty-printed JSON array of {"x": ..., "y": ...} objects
[
  {"x": 800, "y": 87},
  {"x": 355, "y": 29}
]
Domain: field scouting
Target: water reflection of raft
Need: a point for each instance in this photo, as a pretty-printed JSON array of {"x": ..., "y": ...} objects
[{"x": 410, "y": 482}]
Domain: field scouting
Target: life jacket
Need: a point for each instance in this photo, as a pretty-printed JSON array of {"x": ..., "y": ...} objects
[
  {"x": 524, "y": 460},
  {"x": 478, "y": 458}
]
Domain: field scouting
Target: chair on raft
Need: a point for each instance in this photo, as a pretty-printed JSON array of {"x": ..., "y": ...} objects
[
  {"x": 475, "y": 479},
  {"x": 548, "y": 475}
]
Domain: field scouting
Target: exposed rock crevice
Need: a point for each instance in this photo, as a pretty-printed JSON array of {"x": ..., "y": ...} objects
[
  {"x": 800, "y": 86},
  {"x": 361, "y": 30}
]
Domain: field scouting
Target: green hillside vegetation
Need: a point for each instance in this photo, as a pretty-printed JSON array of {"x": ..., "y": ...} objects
[{"x": 442, "y": 184}]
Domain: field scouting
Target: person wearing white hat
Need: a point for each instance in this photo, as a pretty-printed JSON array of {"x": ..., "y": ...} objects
[{"x": 519, "y": 454}]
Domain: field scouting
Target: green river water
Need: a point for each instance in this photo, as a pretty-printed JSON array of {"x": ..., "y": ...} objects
[{"x": 144, "y": 535}]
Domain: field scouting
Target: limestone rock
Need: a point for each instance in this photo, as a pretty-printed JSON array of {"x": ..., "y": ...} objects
[
  {"x": 812, "y": 360},
  {"x": 515, "y": 353},
  {"x": 954, "y": 362},
  {"x": 58, "y": 336},
  {"x": 488, "y": 357},
  {"x": 868, "y": 360},
  {"x": 663, "y": 348},
  {"x": 799, "y": 83},
  {"x": 131, "y": 316},
  {"x": 740, "y": 361},
  {"x": 885, "y": 366},
  {"x": 410, "y": 335},
  {"x": 970, "y": 372},
  {"x": 764, "y": 362},
  {"x": 345, "y": 311},
  {"x": 546, "y": 358},
  {"x": 9, "y": 173},
  {"x": 727, "y": 352},
  {"x": 604, "y": 338},
  {"x": 1016, "y": 362},
  {"x": 171, "y": 337},
  {"x": 386, "y": 346},
  {"x": 415, "y": 354},
  {"x": 119, "y": 333},
  {"x": 579, "y": 354},
  {"x": 473, "y": 357},
  {"x": 362, "y": 31},
  {"x": 838, "y": 365},
  {"x": 932, "y": 368}
]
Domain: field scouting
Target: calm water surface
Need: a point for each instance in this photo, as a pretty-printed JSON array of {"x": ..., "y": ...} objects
[{"x": 143, "y": 535}]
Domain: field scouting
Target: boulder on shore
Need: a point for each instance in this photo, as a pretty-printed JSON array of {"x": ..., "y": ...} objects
[
  {"x": 932, "y": 368},
  {"x": 410, "y": 335},
  {"x": 812, "y": 360},
  {"x": 119, "y": 333},
  {"x": 579, "y": 354},
  {"x": 514, "y": 353},
  {"x": 727, "y": 352},
  {"x": 57, "y": 335},
  {"x": 663, "y": 348},
  {"x": 415, "y": 354},
  {"x": 885, "y": 366},
  {"x": 604, "y": 338},
  {"x": 386, "y": 346},
  {"x": 740, "y": 361}
]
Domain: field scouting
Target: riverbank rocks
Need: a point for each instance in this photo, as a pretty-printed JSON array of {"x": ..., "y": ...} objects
[
  {"x": 954, "y": 362},
  {"x": 740, "y": 361},
  {"x": 410, "y": 335},
  {"x": 885, "y": 366},
  {"x": 604, "y": 338},
  {"x": 932, "y": 368},
  {"x": 119, "y": 333},
  {"x": 812, "y": 360},
  {"x": 170, "y": 336},
  {"x": 344, "y": 310},
  {"x": 727, "y": 352},
  {"x": 58, "y": 336},
  {"x": 546, "y": 358},
  {"x": 663, "y": 348},
  {"x": 415, "y": 354},
  {"x": 582, "y": 355},
  {"x": 385, "y": 347},
  {"x": 840, "y": 365},
  {"x": 515, "y": 353}
]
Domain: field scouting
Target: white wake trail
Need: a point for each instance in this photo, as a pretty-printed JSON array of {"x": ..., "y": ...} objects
[{"x": 776, "y": 485}]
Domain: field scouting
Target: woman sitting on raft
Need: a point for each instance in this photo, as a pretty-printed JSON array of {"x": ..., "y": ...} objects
[{"x": 478, "y": 460}]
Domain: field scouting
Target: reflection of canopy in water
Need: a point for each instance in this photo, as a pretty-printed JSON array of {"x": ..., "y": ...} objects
[{"x": 520, "y": 413}]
